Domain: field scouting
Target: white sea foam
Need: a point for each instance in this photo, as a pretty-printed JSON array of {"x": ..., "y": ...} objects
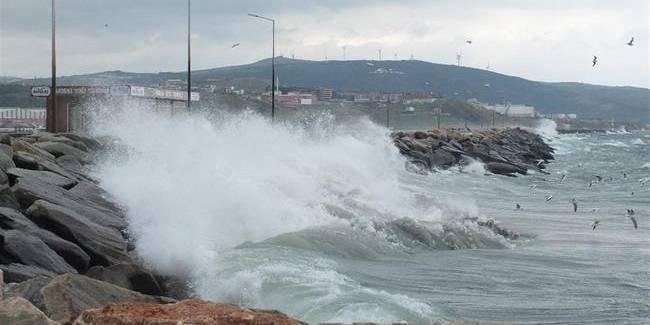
[
  {"x": 546, "y": 128},
  {"x": 638, "y": 142}
]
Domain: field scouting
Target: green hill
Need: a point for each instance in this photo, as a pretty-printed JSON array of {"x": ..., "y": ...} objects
[{"x": 588, "y": 101}]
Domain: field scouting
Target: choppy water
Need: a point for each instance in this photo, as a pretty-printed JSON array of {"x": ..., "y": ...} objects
[{"x": 326, "y": 225}]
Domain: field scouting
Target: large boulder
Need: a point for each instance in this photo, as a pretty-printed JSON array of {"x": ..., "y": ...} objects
[
  {"x": 71, "y": 253},
  {"x": 129, "y": 276},
  {"x": 194, "y": 312},
  {"x": 7, "y": 149},
  {"x": 30, "y": 250},
  {"x": 72, "y": 165},
  {"x": 105, "y": 245},
  {"x": 504, "y": 169},
  {"x": 6, "y": 161},
  {"x": 90, "y": 192},
  {"x": 23, "y": 146},
  {"x": 66, "y": 296},
  {"x": 7, "y": 196},
  {"x": 19, "y": 311},
  {"x": 29, "y": 190},
  {"x": 28, "y": 160},
  {"x": 59, "y": 149},
  {"x": 42, "y": 176},
  {"x": 30, "y": 290},
  {"x": 16, "y": 272},
  {"x": 441, "y": 159}
]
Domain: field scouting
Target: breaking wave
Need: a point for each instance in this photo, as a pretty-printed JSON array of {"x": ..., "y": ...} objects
[{"x": 256, "y": 212}]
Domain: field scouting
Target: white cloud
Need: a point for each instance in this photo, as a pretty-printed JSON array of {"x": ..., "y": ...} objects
[{"x": 550, "y": 40}]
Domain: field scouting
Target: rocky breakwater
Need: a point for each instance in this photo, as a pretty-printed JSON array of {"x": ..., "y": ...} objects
[{"x": 503, "y": 151}]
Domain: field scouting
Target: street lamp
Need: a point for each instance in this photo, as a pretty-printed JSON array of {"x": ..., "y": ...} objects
[
  {"x": 52, "y": 124},
  {"x": 272, "y": 64},
  {"x": 189, "y": 61}
]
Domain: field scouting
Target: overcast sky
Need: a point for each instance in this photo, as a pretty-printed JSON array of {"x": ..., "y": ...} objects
[{"x": 547, "y": 40}]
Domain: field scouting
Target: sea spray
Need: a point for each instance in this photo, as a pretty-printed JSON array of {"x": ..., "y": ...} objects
[
  {"x": 193, "y": 187},
  {"x": 546, "y": 128}
]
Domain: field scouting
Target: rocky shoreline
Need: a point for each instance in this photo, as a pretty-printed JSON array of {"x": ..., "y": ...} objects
[
  {"x": 508, "y": 152},
  {"x": 65, "y": 253}
]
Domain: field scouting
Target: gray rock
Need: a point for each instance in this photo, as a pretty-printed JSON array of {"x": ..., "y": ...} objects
[
  {"x": 72, "y": 165},
  {"x": 50, "y": 137},
  {"x": 68, "y": 295},
  {"x": 43, "y": 176},
  {"x": 7, "y": 149},
  {"x": 30, "y": 250},
  {"x": 504, "y": 169},
  {"x": 129, "y": 276},
  {"x": 28, "y": 190},
  {"x": 94, "y": 194},
  {"x": 441, "y": 158},
  {"x": 30, "y": 161},
  {"x": 30, "y": 290},
  {"x": 6, "y": 161},
  {"x": 71, "y": 253},
  {"x": 104, "y": 245},
  {"x": 90, "y": 143},
  {"x": 23, "y": 146},
  {"x": 5, "y": 139},
  {"x": 19, "y": 311},
  {"x": 16, "y": 272},
  {"x": 7, "y": 197},
  {"x": 59, "y": 149}
]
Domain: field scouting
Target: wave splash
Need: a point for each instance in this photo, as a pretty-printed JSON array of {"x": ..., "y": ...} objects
[{"x": 214, "y": 198}]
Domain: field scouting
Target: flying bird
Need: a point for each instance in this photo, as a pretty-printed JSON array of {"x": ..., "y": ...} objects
[
  {"x": 599, "y": 178},
  {"x": 549, "y": 197},
  {"x": 540, "y": 162},
  {"x": 518, "y": 207},
  {"x": 636, "y": 226},
  {"x": 235, "y": 45},
  {"x": 468, "y": 41},
  {"x": 594, "y": 61},
  {"x": 631, "y": 42},
  {"x": 563, "y": 178},
  {"x": 595, "y": 224},
  {"x": 575, "y": 205}
]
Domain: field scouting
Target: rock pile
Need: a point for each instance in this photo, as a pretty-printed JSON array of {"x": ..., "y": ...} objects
[{"x": 506, "y": 151}]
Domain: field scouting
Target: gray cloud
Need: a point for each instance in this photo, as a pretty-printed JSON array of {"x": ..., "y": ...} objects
[{"x": 541, "y": 40}]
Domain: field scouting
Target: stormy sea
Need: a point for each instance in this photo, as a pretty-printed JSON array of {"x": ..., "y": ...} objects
[{"x": 322, "y": 221}]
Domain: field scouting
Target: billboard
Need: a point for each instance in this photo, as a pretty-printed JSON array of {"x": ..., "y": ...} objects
[{"x": 41, "y": 91}]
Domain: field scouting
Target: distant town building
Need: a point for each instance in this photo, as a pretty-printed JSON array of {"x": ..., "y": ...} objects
[
  {"x": 520, "y": 111},
  {"x": 232, "y": 90},
  {"x": 16, "y": 119},
  {"x": 325, "y": 94},
  {"x": 291, "y": 99}
]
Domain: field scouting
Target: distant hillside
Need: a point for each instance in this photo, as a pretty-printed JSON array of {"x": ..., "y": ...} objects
[{"x": 588, "y": 101}]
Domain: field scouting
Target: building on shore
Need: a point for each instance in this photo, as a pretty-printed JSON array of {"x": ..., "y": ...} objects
[
  {"x": 325, "y": 94},
  {"x": 291, "y": 99},
  {"x": 16, "y": 119}
]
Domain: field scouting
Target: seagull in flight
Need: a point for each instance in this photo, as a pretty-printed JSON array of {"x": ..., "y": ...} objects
[
  {"x": 595, "y": 224},
  {"x": 549, "y": 197},
  {"x": 468, "y": 41},
  {"x": 235, "y": 45},
  {"x": 563, "y": 178},
  {"x": 631, "y": 42},
  {"x": 594, "y": 61},
  {"x": 518, "y": 207},
  {"x": 575, "y": 205},
  {"x": 636, "y": 225}
]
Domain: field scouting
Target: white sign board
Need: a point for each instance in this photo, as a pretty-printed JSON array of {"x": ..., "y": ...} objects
[{"x": 41, "y": 91}]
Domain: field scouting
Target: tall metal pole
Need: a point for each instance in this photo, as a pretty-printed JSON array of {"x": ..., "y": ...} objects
[
  {"x": 273, "y": 75},
  {"x": 53, "y": 90},
  {"x": 189, "y": 60},
  {"x": 272, "y": 64}
]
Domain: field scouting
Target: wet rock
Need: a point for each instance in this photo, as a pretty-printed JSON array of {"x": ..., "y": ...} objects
[
  {"x": 16, "y": 272},
  {"x": 19, "y": 145},
  {"x": 504, "y": 168},
  {"x": 129, "y": 276},
  {"x": 71, "y": 253},
  {"x": 105, "y": 245},
  {"x": 58, "y": 149},
  {"x": 194, "y": 312},
  {"x": 73, "y": 166},
  {"x": 6, "y": 161},
  {"x": 68, "y": 295},
  {"x": 90, "y": 192},
  {"x": 441, "y": 158},
  {"x": 7, "y": 197},
  {"x": 30, "y": 161},
  {"x": 7, "y": 150},
  {"x": 30, "y": 290},
  {"x": 29, "y": 190},
  {"x": 30, "y": 250},
  {"x": 19, "y": 311},
  {"x": 42, "y": 176}
]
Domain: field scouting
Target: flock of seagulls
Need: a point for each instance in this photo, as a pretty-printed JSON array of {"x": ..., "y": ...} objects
[
  {"x": 596, "y": 180},
  {"x": 594, "y": 61}
]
